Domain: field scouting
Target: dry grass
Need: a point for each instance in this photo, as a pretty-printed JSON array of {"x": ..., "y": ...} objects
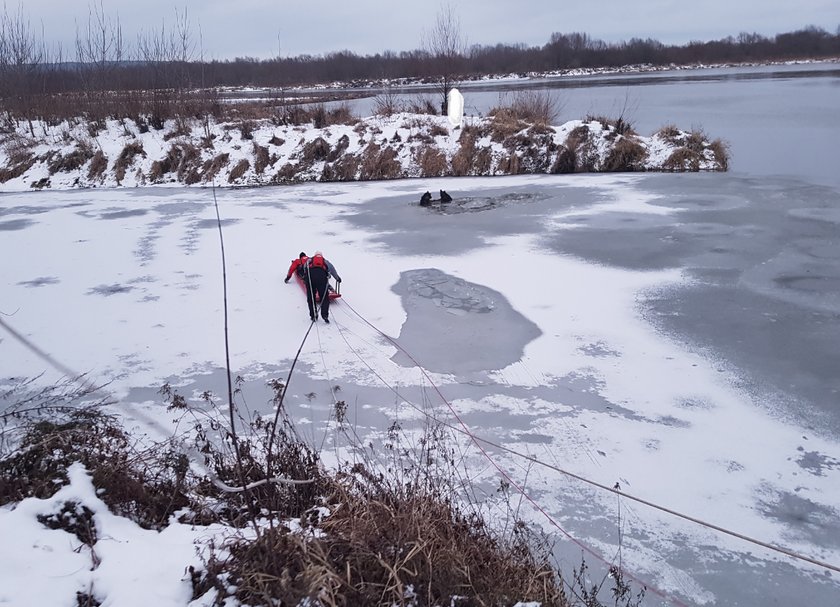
[
  {"x": 261, "y": 158},
  {"x": 682, "y": 159},
  {"x": 292, "y": 114},
  {"x": 422, "y": 105},
  {"x": 319, "y": 116},
  {"x": 345, "y": 168},
  {"x": 156, "y": 171},
  {"x": 431, "y": 160},
  {"x": 95, "y": 126},
  {"x": 342, "y": 115},
  {"x": 18, "y": 147},
  {"x": 246, "y": 129},
  {"x": 691, "y": 149},
  {"x": 17, "y": 167},
  {"x": 463, "y": 161},
  {"x": 183, "y": 159},
  {"x": 288, "y": 173},
  {"x": 511, "y": 165},
  {"x": 533, "y": 107},
  {"x": 44, "y": 431},
  {"x": 72, "y": 161},
  {"x": 695, "y": 141},
  {"x": 505, "y": 124},
  {"x": 626, "y": 154},
  {"x": 97, "y": 167},
  {"x": 387, "y": 545},
  {"x": 211, "y": 167},
  {"x": 367, "y": 536},
  {"x": 126, "y": 158},
  {"x": 565, "y": 162},
  {"x": 316, "y": 150},
  {"x": 483, "y": 162},
  {"x": 379, "y": 162},
  {"x": 20, "y": 156},
  {"x": 670, "y": 134},
  {"x": 186, "y": 159},
  {"x": 238, "y": 170},
  {"x": 437, "y": 130},
  {"x": 721, "y": 152},
  {"x": 614, "y": 127},
  {"x": 580, "y": 144},
  {"x": 421, "y": 137},
  {"x": 148, "y": 490},
  {"x": 339, "y": 149},
  {"x": 533, "y": 149},
  {"x": 387, "y": 103},
  {"x": 181, "y": 128}
]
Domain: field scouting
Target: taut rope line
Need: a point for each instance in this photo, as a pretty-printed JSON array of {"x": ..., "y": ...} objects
[{"x": 780, "y": 549}]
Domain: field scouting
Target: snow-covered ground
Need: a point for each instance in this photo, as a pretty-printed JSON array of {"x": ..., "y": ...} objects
[
  {"x": 537, "y": 338},
  {"x": 124, "y": 153}
]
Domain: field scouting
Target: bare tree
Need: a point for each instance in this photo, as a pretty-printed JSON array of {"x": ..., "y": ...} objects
[
  {"x": 22, "y": 55},
  {"x": 100, "y": 53},
  {"x": 446, "y": 46},
  {"x": 168, "y": 53},
  {"x": 184, "y": 49}
]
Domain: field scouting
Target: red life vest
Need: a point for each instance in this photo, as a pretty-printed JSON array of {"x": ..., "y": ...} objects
[
  {"x": 317, "y": 261},
  {"x": 298, "y": 265}
]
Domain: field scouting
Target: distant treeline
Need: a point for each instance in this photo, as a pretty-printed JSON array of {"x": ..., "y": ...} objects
[
  {"x": 163, "y": 74},
  {"x": 563, "y": 51}
]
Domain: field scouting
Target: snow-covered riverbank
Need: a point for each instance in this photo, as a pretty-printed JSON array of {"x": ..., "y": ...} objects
[{"x": 123, "y": 153}]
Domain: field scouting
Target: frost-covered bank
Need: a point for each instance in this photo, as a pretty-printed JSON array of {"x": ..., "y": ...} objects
[{"x": 126, "y": 153}]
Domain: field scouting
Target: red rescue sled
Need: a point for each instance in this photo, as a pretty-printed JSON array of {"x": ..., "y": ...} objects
[{"x": 333, "y": 291}]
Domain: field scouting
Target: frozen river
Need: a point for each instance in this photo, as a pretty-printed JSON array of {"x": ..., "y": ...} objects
[
  {"x": 672, "y": 333},
  {"x": 675, "y": 334}
]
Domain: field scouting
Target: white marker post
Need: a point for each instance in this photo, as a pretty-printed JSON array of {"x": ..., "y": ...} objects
[{"x": 455, "y": 107}]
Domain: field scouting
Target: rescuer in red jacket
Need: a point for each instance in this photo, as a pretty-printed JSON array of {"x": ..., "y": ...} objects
[
  {"x": 318, "y": 272},
  {"x": 298, "y": 265}
]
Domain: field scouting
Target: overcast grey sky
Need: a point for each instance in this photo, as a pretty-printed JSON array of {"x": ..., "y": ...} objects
[{"x": 262, "y": 28}]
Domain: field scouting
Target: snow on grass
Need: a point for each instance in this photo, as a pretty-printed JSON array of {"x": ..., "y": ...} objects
[
  {"x": 127, "y": 565},
  {"x": 184, "y": 150}
]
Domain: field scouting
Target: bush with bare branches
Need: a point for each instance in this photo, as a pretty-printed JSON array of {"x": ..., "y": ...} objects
[
  {"x": 386, "y": 545},
  {"x": 533, "y": 107}
]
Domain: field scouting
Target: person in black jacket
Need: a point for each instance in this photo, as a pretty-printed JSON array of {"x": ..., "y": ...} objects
[{"x": 318, "y": 272}]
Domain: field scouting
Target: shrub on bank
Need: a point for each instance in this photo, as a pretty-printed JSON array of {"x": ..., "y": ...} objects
[
  {"x": 375, "y": 148},
  {"x": 380, "y": 543},
  {"x": 357, "y": 536}
]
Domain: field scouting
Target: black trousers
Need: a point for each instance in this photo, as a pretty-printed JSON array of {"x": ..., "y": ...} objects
[{"x": 316, "y": 282}]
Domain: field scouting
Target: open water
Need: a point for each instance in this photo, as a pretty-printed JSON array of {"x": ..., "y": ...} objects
[{"x": 778, "y": 120}]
